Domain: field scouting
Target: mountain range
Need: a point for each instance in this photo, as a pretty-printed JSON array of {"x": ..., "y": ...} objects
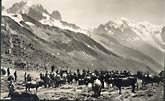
[
  {"x": 141, "y": 36},
  {"x": 30, "y": 33}
]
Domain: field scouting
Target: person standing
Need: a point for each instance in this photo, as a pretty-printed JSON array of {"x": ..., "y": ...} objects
[
  {"x": 52, "y": 68},
  {"x": 8, "y": 71},
  {"x": 38, "y": 67},
  {"x": 11, "y": 88},
  {"x": 45, "y": 67},
  {"x": 15, "y": 75},
  {"x": 46, "y": 74},
  {"x": 29, "y": 78},
  {"x": 25, "y": 77}
]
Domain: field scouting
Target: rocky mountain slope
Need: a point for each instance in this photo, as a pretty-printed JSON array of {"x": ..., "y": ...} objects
[
  {"x": 40, "y": 39},
  {"x": 140, "y": 36},
  {"x": 39, "y": 13}
]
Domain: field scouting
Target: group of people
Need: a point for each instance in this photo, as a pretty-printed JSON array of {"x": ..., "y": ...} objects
[
  {"x": 27, "y": 77},
  {"x": 86, "y": 77},
  {"x": 98, "y": 79}
]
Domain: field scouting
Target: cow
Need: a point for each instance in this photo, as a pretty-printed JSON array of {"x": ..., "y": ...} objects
[
  {"x": 125, "y": 82},
  {"x": 35, "y": 85},
  {"x": 10, "y": 78},
  {"x": 146, "y": 79},
  {"x": 96, "y": 87}
]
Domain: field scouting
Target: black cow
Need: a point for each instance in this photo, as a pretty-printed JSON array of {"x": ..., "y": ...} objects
[
  {"x": 35, "y": 85},
  {"x": 10, "y": 78},
  {"x": 125, "y": 82},
  {"x": 146, "y": 79}
]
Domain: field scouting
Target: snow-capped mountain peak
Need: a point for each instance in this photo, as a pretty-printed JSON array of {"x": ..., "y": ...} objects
[
  {"x": 28, "y": 5},
  {"x": 39, "y": 13},
  {"x": 126, "y": 30},
  {"x": 120, "y": 22},
  {"x": 21, "y": 7},
  {"x": 123, "y": 23},
  {"x": 56, "y": 15}
]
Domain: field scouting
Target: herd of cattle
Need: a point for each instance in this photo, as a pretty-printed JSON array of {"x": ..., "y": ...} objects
[{"x": 97, "y": 79}]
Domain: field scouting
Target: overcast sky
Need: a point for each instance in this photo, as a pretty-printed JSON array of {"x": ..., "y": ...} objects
[{"x": 91, "y": 13}]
